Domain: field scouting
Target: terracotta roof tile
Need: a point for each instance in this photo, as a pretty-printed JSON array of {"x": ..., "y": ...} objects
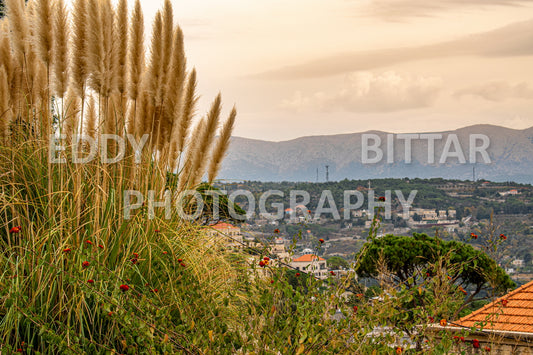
[
  {"x": 308, "y": 258},
  {"x": 516, "y": 315}
]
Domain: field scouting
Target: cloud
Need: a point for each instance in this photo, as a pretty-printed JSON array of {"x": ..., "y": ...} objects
[
  {"x": 512, "y": 40},
  {"x": 498, "y": 91},
  {"x": 369, "y": 92},
  {"x": 398, "y": 10}
]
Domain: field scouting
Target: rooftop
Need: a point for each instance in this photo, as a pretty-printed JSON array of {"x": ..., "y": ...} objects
[
  {"x": 308, "y": 258},
  {"x": 512, "y": 312},
  {"x": 222, "y": 225}
]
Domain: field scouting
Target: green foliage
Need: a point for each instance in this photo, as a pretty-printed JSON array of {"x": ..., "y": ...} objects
[{"x": 411, "y": 260}]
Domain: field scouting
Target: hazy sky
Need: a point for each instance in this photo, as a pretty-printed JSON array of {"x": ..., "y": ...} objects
[{"x": 312, "y": 67}]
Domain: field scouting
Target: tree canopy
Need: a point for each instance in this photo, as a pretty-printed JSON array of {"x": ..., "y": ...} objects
[{"x": 413, "y": 260}]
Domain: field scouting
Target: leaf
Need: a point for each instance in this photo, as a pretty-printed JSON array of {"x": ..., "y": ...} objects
[
  {"x": 192, "y": 325},
  {"x": 300, "y": 350},
  {"x": 211, "y": 336}
]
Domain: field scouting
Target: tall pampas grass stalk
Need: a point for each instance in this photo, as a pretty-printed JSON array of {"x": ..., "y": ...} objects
[{"x": 221, "y": 146}]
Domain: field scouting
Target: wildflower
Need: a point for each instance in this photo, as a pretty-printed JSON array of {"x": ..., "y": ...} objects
[
  {"x": 100, "y": 246},
  {"x": 157, "y": 231},
  {"x": 381, "y": 198},
  {"x": 262, "y": 263},
  {"x": 134, "y": 261},
  {"x": 165, "y": 252},
  {"x": 473, "y": 235},
  {"x": 463, "y": 339},
  {"x": 91, "y": 281},
  {"x": 297, "y": 274},
  {"x": 182, "y": 264},
  {"x": 110, "y": 314},
  {"x": 309, "y": 211},
  {"x": 487, "y": 348},
  {"x": 503, "y": 237},
  {"x": 321, "y": 241},
  {"x": 276, "y": 231},
  {"x": 504, "y": 302},
  {"x": 135, "y": 255},
  {"x": 180, "y": 260},
  {"x": 431, "y": 319},
  {"x": 475, "y": 343},
  {"x": 355, "y": 308},
  {"x": 124, "y": 288},
  {"x": 332, "y": 272},
  {"x": 19, "y": 350},
  {"x": 155, "y": 290},
  {"x": 15, "y": 230},
  {"x": 85, "y": 264},
  {"x": 266, "y": 258},
  {"x": 443, "y": 322},
  {"x": 66, "y": 250},
  {"x": 456, "y": 338},
  {"x": 427, "y": 274},
  {"x": 399, "y": 350},
  {"x": 359, "y": 295}
]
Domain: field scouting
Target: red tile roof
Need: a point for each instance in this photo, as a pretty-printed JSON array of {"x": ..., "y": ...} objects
[
  {"x": 512, "y": 312},
  {"x": 222, "y": 225},
  {"x": 308, "y": 258}
]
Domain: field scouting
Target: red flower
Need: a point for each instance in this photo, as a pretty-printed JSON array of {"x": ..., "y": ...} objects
[
  {"x": 165, "y": 252},
  {"x": 66, "y": 250},
  {"x": 15, "y": 230},
  {"x": 100, "y": 246},
  {"x": 134, "y": 261},
  {"x": 487, "y": 348},
  {"x": 463, "y": 339},
  {"x": 182, "y": 264},
  {"x": 503, "y": 236},
  {"x": 262, "y": 263},
  {"x": 297, "y": 274},
  {"x": 155, "y": 290},
  {"x": 271, "y": 281},
  {"x": 431, "y": 319},
  {"x": 475, "y": 343},
  {"x": 276, "y": 231},
  {"x": 504, "y": 302},
  {"x": 157, "y": 231},
  {"x": 91, "y": 281},
  {"x": 473, "y": 235},
  {"x": 180, "y": 260},
  {"x": 355, "y": 308},
  {"x": 381, "y": 198},
  {"x": 19, "y": 350},
  {"x": 309, "y": 211},
  {"x": 85, "y": 264},
  {"x": 456, "y": 338},
  {"x": 399, "y": 350},
  {"x": 266, "y": 258},
  {"x": 124, "y": 288},
  {"x": 89, "y": 242},
  {"x": 321, "y": 240},
  {"x": 136, "y": 255},
  {"x": 443, "y": 322},
  {"x": 110, "y": 314},
  {"x": 332, "y": 272}
]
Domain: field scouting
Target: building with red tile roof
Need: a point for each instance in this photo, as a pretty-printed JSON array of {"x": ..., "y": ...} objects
[
  {"x": 312, "y": 264},
  {"x": 505, "y": 325}
]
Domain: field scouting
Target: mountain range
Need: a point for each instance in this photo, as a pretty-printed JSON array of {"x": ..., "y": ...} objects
[{"x": 457, "y": 154}]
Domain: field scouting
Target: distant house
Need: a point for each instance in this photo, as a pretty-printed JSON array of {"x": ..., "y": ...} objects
[
  {"x": 505, "y": 325},
  {"x": 312, "y": 264},
  {"x": 228, "y": 233}
]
